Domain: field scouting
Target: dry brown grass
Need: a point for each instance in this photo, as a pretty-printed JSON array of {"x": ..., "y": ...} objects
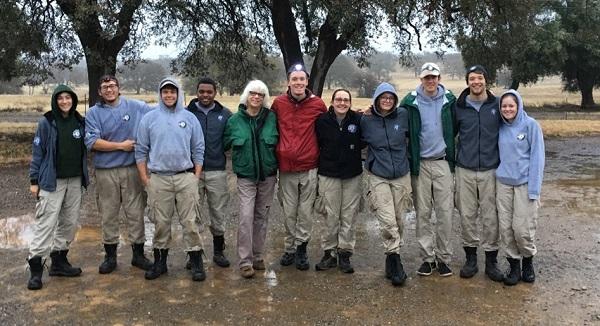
[{"x": 570, "y": 128}]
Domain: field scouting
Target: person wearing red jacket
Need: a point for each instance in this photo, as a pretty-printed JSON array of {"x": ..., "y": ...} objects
[{"x": 298, "y": 155}]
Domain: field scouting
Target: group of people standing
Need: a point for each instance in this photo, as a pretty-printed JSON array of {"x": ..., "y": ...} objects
[{"x": 171, "y": 157}]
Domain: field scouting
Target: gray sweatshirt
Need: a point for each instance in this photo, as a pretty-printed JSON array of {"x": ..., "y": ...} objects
[
  {"x": 431, "y": 138},
  {"x": 167, "y": 136}
]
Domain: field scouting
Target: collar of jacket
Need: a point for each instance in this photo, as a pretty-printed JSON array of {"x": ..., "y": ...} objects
[
  {"x": 308, "y": 93},
  {"x": 50, "y": 116},
  {"x": 462, "y": 99}
]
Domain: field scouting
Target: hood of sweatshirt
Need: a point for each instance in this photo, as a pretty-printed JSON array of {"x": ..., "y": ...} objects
[
  {"x": 54, "y": 102},
  {"x": 426, "y": 98},
  {"x": 521, "y": 115},
  {"x": 384, "y": 88},
  {"x": 179, "y": 105}
]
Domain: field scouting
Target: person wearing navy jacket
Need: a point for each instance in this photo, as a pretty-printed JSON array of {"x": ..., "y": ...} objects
[
  {"x": 385, "y": 131},
  {"x": 339, "y": 173}
]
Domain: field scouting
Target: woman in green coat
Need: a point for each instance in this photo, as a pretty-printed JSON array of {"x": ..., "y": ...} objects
[{"x": 252, "y": 135}]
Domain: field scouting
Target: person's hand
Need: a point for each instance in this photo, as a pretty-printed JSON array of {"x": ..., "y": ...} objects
[
  {"x": 128, "y": 145},
  {"x": 145, "y": 180},
  {"x": 366, "y": 111},
  {"x": 35, "y": 190}
]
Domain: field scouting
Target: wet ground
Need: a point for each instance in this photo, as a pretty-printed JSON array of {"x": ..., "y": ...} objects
[{"x": 566, "y": 290}]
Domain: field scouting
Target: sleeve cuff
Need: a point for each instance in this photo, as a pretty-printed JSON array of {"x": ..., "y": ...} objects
[{"x": 34, "y": 182}]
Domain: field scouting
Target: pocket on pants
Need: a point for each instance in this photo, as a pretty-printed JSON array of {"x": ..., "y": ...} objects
[
  {"x": 372, "y": 200},
  {"x": 41, "y": 206},
  {"x": 321, "y": 204}
]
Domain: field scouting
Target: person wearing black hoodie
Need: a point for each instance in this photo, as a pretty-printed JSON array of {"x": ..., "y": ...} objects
[
  {"x": 339, "y": 170},
  {"x": 58, "y": 174}
]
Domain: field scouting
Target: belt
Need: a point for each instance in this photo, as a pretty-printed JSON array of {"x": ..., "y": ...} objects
[
  {"x": 190, "y": 170},
  {"x": 433, "y": 158}
]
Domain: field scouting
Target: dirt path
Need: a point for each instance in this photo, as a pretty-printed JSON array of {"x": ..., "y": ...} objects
[{"x": 566, "y": 290}]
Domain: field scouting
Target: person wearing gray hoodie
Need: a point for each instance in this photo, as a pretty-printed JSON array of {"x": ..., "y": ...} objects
[
  {"x": 431, "y": 145},
  {"x": 385, "y": 131},
  {"x": 166, "y": 137}
]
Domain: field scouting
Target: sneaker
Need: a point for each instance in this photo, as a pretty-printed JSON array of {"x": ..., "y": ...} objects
[
  {"x": 288, "y": 258},
  {"x": 259, "y": 265},
  {"x": 426, "y": 269},
  {"x": 247, "y": 271},
  {"x": 443, "y": 269}
]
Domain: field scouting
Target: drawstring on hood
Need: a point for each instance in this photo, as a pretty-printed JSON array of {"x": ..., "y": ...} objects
[
  {"x": 384, "y": 88},
  {"x": 179, "y": 105}
]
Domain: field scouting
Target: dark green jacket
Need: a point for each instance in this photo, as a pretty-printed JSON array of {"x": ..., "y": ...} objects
[
  {"x": 252, "y": 141},
  {"x": 414, "y": 127}
]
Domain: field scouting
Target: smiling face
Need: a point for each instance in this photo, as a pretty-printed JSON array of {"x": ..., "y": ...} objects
[
  {"x": 386, "y": 102},
  {"x": 430, "y": 84},
  {"x": 509, "y": 108},
  {"x": 65, "y": 102},
  {"x": 341, "y": 103},
  {"x": 206, "y": 94},
  {"x": 476, "y": 83},
  {"x": 109, "y": 91},
  {"x": 168, "y": 94},
  {"x": 255, "y": 100},
  {"x": 297, "y": 82}
]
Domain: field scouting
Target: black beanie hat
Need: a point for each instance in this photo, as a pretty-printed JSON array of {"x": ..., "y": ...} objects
[{"x": 478, "y": 69}]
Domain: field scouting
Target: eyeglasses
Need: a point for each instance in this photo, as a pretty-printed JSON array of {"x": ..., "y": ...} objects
[
  {"x": 341, "y": 100},
  {"x": 251, "y": 93},
  {"x": 111, "y": 87},
  {"x": 387, "y": 98}
]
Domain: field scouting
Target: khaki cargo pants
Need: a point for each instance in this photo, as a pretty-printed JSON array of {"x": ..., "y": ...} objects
[
  {"x": 476, "y": 197},
  {"x": 213, "y": 185},
  {"x": 297, "y": 192},
  {"x": 389, "y": 200},
  {"x": 172, "y": 194},
  {"x": 56, "y": 217},
  {"x": 518, "y": 220},
  {"x": 116, "y": 188},
  {"x": 338, "y": 203}
]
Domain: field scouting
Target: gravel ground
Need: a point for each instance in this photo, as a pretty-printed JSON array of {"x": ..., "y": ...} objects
[{"x": 566, "y": 290}]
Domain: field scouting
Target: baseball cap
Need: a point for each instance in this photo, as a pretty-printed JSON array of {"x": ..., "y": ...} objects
[
  {"x": 167, "y": 82},
  {"x": 429, "y": 69}
]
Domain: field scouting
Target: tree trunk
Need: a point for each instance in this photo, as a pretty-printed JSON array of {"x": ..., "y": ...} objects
[
  {"x": 514, "y": 84},
  {"x": 329, "y": 47},
  {"x": 98, "y": 65},
  {"x": 286, "y": 32},
  {"x": 587, "y": 97}
]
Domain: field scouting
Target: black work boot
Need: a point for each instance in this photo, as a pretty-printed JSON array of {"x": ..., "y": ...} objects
[
  {"x": 36, "y": 269},
  {"x": 328, "y": 261},
  {"x": 513, "y": 275},
  {"x": 470, "y": 268},
  {"x": 218, "y": 254},
  {"x": 491, "y": 267},
  {"x": 301, "y": 257},
  {"x": 61, "y": 266},
  {"x": 110, "y": 259},
  {"x": 388, "y": 267},
  {"x": 398, "y": 276},
  {"x": 528, "y": 274},
  {"x": 345, "y": 265},
  {"x": 287, "y": 259},
  {"x": 160, "y": 264},
  {"x": 197, "y": 266},
  {"x": 138, "y": 259}
]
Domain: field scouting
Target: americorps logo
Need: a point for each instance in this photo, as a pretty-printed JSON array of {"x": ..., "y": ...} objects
[
  {"x": 76, "y": 134},
  {"x": 352, "y": 128},
  {"x": 182, "y": 124}
]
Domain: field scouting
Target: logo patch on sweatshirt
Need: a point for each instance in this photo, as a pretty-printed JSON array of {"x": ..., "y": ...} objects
[
  {"x": 220, "y": 118},
  {"x": 182, "y": 124},
  {"x": 76, "y": 134},
  {"x": 36, "y": 141},
  {"x": 520, "y": 136},
  {"x": 126, "y": 117},
  {"x": 352, "y": 128},
  {"x": 396, "y": 127},
  {"x": 493, "y": 111}
]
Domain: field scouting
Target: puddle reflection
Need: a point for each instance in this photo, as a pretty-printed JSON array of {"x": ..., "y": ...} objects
[{"x": 16, "y": 232}]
